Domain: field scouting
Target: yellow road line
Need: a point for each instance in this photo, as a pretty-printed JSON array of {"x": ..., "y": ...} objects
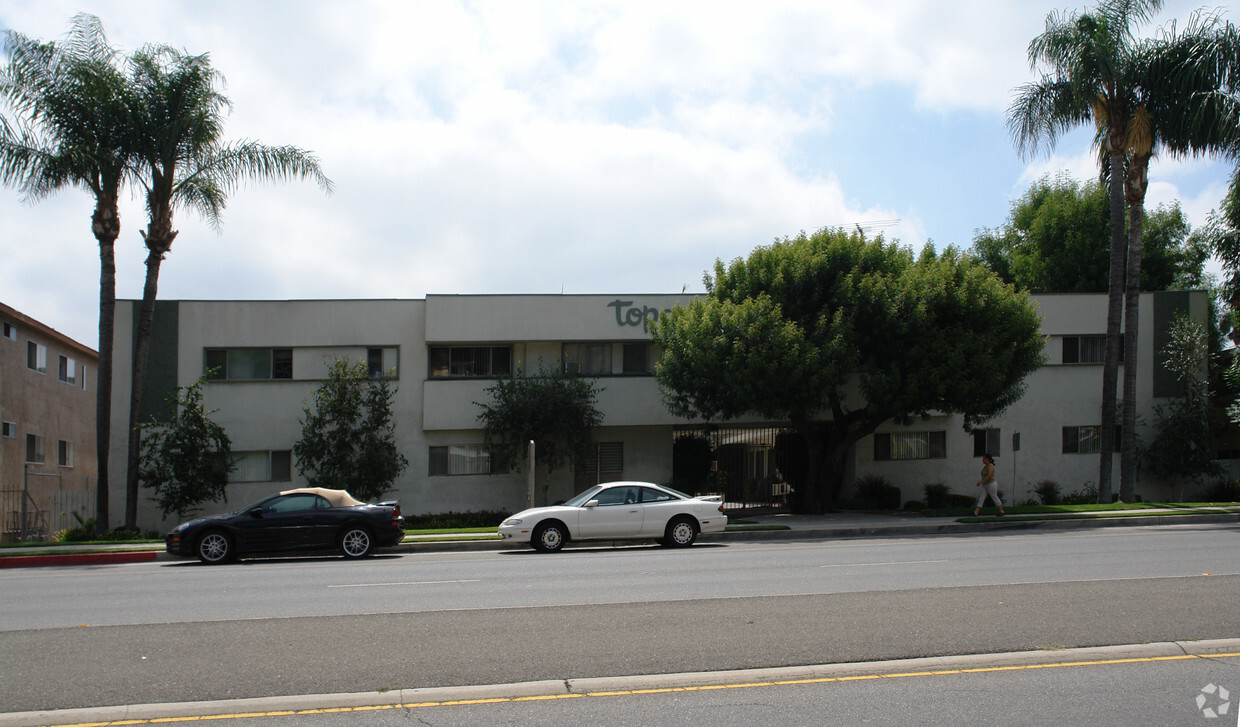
[{"x": 652, "y": 690}]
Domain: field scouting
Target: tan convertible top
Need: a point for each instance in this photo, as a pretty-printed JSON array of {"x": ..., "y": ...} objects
[{"x": 338, "y": 498}]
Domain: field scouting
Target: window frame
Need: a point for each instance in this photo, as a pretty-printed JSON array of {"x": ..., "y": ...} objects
[
  {"x": 987, "y": 441},
  {"x": 586, "y": 350},
  {"x": 64, "y": 453},
  {"x": 36, "y": 452},
  {"x": 443, "y": 461},
  {"x": 279, "y": 363}
]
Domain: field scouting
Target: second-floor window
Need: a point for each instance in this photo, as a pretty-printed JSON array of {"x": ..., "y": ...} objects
[
  {"x": 36, "y": 357},
  {"x": 475, "y": 361},
  {"x": 249, "y": 364}
]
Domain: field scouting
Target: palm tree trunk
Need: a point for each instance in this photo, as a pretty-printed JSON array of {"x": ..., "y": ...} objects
[
  {"x": 105, "y": 223},
  {"x": 158, "y": 244},
  {"x": 1136, "y": 184},
  {"x": 1115, "y": 299}
]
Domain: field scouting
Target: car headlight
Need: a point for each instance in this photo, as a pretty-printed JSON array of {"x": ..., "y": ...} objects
[{"x": 511, "y": 521}]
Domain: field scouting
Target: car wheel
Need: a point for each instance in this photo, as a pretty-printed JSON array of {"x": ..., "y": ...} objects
[
  {"x": 356, "y": 542},
  {"x": 680, "y": 533},
  {"x": 215, "y": 547},
  {"x": 548, "y": 537}
]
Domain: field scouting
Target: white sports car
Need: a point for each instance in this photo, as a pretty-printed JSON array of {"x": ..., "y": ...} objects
[{"x": 619, "y": 511}]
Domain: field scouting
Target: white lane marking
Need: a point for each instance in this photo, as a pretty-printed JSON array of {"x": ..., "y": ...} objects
[
  {"x": 405, "y": 583},
  {"x": 890, "y": 562}
]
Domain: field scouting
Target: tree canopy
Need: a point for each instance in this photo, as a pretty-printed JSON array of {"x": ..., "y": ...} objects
[
  {"x": 348, "y": 437},
  {"x": 186, "y": 461},
  {"x": 837, "y": 333},
  {"x": 1055, "y": 240},
  {"x": 553, "y": 408}
]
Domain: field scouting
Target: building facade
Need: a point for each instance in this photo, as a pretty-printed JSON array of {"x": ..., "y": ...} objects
[
  {"x": 441, "y": 354},
  {"x": 47, "y": 428}
]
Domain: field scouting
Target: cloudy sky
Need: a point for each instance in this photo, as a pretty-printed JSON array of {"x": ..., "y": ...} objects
[{"x": 576, "y": 147}]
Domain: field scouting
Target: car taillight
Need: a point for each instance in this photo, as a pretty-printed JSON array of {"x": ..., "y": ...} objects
[{"x": 395, "y": 511}]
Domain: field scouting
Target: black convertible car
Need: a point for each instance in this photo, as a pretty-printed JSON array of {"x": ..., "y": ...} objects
[{"x": 307, "y": 519}]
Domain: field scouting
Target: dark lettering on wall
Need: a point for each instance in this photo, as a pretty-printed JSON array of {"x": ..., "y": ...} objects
[{"x": 628, "y": 314}]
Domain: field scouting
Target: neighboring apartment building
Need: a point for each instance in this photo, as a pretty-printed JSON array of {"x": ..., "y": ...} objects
[
  {"x": 47, "y": 428},
  {"x": 442, "y": 352}
]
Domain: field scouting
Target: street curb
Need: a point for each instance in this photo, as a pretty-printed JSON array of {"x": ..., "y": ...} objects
[
  {"x": 26, "y": 561},
  {"x": 607, "y": 686}
]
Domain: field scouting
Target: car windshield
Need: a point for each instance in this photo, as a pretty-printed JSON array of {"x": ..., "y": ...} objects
[{"x": 583, "y": 497}]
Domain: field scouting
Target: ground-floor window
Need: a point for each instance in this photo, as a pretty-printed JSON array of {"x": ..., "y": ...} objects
[
  {"x": 889, "y": 446},
  {"x": 986, "y": 441},
  {"x": 263, "y": 466},
  {"x": 467, "y": 459},
  {"x": 606, "y": 465}
]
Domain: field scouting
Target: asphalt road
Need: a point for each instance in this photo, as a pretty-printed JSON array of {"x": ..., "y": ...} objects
[{"x": 144, "y": 633}]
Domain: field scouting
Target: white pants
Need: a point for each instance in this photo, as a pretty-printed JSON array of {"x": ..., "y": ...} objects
[{"x": 990, "y": 488}]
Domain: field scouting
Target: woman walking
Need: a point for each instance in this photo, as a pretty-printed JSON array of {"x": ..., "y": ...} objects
[{"x": 988, "y": 486}]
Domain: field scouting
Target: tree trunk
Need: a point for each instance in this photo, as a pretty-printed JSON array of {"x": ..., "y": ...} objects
[
  {"x": 158, "y": 240},
  {"x": 106, "y": 226},
  {"x": 1115, "y": 297},
  {"x": 1136, "y": 185}
]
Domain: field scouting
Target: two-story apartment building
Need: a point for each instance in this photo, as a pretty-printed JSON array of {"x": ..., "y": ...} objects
[
  {"x": 47, "y": 427},
  {"x": 442, "y": 353}
]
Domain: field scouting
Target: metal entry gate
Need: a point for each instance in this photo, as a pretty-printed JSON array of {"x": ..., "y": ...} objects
[{"x": 741, "y": 463}]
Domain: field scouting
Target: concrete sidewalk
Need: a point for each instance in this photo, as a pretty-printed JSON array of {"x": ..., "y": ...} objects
[{"x": 751, "y": 528}]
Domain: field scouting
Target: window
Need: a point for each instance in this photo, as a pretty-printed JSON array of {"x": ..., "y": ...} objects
[
  {"x": 248, "y": 364},
  {"x": 263, "y": 466},
  {"x": 381, "y": 362},
  {"x": 986, "y": 441},
  {"x": 1082, "y": 440},
  {"x": 64, "y": 453},
  {"x": 34, "y": 449},
  {"x": 607, "y": 465},
  {"x": 591, "y": 359},
  {"x": 36, "y": 357},
  {"x": 1084, "y": 349},
  {"x": 477, "y": 361},
  {"x": 637, "y": 358},
  {"x": 910, "y": 445},
  {"x": 67, "y": 370},
  {"x": 10, "y": 331},
  {"x": 8, "y": 430},
  {"x": 467, "y": 459}
]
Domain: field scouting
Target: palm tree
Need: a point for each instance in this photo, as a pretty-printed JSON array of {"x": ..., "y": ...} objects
[
  {"x": 186, "y": 164},
  {"x": 71, "y": 128},
  {"x": 1186, "y": 104},
  {"x": 1091, "y": 65}
]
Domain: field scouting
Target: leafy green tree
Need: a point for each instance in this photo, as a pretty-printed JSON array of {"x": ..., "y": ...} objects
[
  {"x": 1055, "y": 241},
  {"x": 1180, "y": 453},
  {"x": 187, "y": 460},
  {"x": 348, "y": 439},
  {"x": 1222, "y": 234},
  {"x": 66, "y": 123},
  {"x": 184, "y": 162},
  {"x": 553, "y": 408},
  {"x": 1090, "y": 71},
  {"x": 832, "y": 333}
]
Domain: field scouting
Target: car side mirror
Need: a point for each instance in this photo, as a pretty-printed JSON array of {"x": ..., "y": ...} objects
[{"x": 592, "y": 503}]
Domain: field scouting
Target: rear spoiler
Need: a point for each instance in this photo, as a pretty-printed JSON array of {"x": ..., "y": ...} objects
[
  {"x": 389, "y": 503},
  {"x": 711, "y": 498}
]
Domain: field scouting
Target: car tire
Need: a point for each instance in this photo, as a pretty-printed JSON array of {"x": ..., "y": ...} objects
[
  {"x": 681, "y": 532},
  {"x": 215, "y": 547},
  {"x": 356, "y": 541},
  {"x": 549, "y": 537}
]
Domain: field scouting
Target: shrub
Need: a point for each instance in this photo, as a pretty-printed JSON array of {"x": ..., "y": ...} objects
[
  {"x": 1048, "y": 492},
  {"x": 1087, "y": 496},
  {"x": 1223, "y": 491},
  {"x": 447, "y": 520},
  {"x": 875, "y": 492},
  {"x": 915, "y": 506},
  {"x": 936, "y": 495}
]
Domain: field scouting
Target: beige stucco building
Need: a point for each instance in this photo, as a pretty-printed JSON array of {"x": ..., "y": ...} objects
[
  {"x": 442, "y": 352},
  {"x": 47, "y": 428}
]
